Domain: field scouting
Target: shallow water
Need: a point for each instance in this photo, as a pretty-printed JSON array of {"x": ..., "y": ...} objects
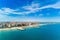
[{"x": 47, "y": 32}]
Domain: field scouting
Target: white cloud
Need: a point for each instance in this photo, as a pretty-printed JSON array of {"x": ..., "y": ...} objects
[
  {"x": 10, "y": 11},
  {"x": 31, "y": 9},
  {"x": 34, "y": 7},
  {"x": 56, "y": 6},
  {"x": 6, "y": 10}
]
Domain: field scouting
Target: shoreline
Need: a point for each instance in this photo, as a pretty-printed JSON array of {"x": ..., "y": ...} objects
[{"x": 22, "y": 27}]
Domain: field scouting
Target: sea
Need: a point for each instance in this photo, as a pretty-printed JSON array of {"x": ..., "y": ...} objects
[{"x": 45, "y": 32}]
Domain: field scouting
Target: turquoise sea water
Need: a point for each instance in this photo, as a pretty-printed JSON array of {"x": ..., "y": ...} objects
[{"x": 47, "y": 32}]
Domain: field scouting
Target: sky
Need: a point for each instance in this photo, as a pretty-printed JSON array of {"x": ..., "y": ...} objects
[{"x": 30, "y": 10}]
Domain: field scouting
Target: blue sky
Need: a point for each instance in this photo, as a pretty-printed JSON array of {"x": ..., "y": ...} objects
[{"x": 30, "y": 10}]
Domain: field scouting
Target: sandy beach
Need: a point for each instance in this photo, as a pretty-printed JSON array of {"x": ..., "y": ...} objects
[{"x": 22, "y": 28}]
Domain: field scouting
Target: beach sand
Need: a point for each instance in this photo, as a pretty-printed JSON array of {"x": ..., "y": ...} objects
[{"x": 22, "y": 27}]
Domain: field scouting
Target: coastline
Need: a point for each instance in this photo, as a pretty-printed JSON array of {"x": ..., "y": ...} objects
[{"x": 23, "y": 27}]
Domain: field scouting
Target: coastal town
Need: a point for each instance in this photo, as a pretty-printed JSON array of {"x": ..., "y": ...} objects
[
  {"x": 17, "y": 25},
  {"x": 22, "y": 25}
]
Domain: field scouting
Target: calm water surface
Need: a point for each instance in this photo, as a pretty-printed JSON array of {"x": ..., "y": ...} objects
[{"x": 47, "y": 32}]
